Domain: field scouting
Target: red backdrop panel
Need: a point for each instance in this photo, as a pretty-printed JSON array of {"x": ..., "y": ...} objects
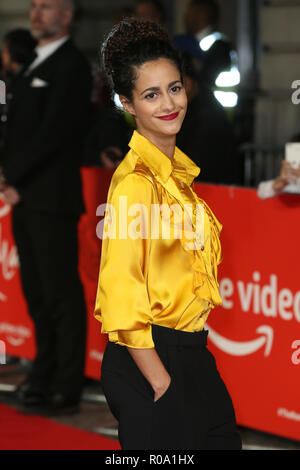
[{"x": 253, "y": 335}]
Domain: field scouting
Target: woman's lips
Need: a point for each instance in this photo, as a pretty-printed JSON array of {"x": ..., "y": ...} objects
[{"x": 169, "y": 117}]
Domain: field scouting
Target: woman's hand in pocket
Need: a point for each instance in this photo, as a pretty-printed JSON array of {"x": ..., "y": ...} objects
[
  {"x": 161, "y": 389},
  {"x": 153, "y": 369}
]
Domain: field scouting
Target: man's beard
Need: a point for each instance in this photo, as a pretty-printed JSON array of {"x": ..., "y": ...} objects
[{"x": 46, "y": 33}]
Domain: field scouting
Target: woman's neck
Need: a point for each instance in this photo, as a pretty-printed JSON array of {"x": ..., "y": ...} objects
[{"x": 166, "y": 144}]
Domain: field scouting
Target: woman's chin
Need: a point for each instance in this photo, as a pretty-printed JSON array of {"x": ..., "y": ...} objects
[{"x": 171, "y": 129}]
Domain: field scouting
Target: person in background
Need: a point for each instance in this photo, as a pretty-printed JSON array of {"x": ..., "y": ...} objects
[
  {"x": 271, "y": 188},
  {"x": 101, "y": 95},
  {"x": 122, "y": 13},
  {"x": 201, "y": 20},
  {"x": 151, "y": 10},
  {"x": 288, "y": 175},
  {"x": 17, "y": 52},
  {"x": 46, "y": 129},
  {"x": 206, "y": 134},
  {"x": 110, "y": 133},
  {"x": 107, "y": 141}
]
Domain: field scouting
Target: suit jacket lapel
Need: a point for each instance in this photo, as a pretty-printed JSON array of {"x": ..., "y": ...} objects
[{"x": 48, "y": 60}]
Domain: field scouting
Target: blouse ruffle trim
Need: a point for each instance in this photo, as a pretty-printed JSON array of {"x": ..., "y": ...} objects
[{"x": 205, "y": 280}]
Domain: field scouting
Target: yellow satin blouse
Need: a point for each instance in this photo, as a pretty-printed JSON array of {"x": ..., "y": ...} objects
[{"x": 150, "y": 279}]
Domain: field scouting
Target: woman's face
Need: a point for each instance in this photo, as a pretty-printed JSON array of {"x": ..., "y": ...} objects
[{"x": 159, "y": 100}]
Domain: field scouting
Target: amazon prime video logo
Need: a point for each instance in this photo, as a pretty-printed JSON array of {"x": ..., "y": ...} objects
[
  {"x": 2, "y": 353},
  {"x": 2, "y": 92},
  {"x": 296, "y": 353}
]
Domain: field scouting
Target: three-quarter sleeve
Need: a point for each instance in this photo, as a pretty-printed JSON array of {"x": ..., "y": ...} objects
[{"x": 122, "y": 301}]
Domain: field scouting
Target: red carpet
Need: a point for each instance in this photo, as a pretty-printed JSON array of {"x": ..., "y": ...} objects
[{"x": 21, "y": 432}]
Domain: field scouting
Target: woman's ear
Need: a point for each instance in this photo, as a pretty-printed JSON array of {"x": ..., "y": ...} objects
[{"x": 127, "y": 105}]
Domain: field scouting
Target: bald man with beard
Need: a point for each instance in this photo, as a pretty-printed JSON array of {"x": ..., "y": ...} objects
[{"x": 46, "y": 129}]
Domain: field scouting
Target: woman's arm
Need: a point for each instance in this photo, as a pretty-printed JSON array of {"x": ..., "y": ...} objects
[
  {"x": 149, "y": 363},
  {"x": 122, "y": 303}
]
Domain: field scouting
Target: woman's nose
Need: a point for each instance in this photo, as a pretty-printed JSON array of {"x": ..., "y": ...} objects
[{"x": 168, "y": 104}]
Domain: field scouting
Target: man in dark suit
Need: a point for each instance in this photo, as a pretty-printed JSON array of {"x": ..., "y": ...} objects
[
  {"x": 46, "y": 128},
  {"x": 17, "y": 52},
  {"x": 207, "y": 135},
  {"x": 212, "y": 56}
]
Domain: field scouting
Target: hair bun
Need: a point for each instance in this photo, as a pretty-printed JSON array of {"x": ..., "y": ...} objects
[
  {"x": 130, "y": 44},
  {"x": 125, "y": 34}
]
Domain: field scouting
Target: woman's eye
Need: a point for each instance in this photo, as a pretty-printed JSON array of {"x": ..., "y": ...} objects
[
  {"x": 150, "y": 96},
  {"x": 176, "y": 89}
]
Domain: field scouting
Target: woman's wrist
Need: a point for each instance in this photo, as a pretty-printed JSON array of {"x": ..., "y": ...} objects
[
  {"x": 151, "y": 366},
  {"x": 159, "y": 384}
]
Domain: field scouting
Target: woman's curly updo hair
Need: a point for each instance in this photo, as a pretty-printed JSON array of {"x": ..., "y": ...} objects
[{"x": 130, "y": 44}]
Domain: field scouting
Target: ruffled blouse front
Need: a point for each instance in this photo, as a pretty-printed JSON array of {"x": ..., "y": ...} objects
[
  {"x": 204, "y": 261},
  {"x": 167, "y": 280}
]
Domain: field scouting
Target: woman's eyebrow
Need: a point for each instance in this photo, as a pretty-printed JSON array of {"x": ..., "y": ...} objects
[{"x": 156, "y": 88}]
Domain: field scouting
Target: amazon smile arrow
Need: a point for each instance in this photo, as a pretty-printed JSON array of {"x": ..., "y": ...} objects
[{"x": 244, "y": 348}]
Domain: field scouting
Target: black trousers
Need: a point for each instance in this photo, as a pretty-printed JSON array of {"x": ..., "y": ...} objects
[
  {"x": 194, "y": 413},
  {"x": 48, "y": 253}
]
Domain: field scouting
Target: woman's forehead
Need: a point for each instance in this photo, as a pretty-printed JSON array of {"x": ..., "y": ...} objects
[{"x": 161, "y": 71}]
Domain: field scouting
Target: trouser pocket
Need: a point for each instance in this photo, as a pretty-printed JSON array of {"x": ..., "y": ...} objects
[
  {"x": 166, "y": 394},
  {"x": 118, "y": 361}
]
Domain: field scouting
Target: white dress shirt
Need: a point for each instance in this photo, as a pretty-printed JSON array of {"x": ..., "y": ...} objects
[
  {"x": 265, "y": 190},
  {"x": 43, "y": 52}
]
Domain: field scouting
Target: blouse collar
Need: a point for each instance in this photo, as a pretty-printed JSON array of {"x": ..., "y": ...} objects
[{"x": 161, "y": 166}]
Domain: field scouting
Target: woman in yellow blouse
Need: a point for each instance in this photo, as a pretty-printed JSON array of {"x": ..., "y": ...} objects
[{"x": 158, "y": 270}]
